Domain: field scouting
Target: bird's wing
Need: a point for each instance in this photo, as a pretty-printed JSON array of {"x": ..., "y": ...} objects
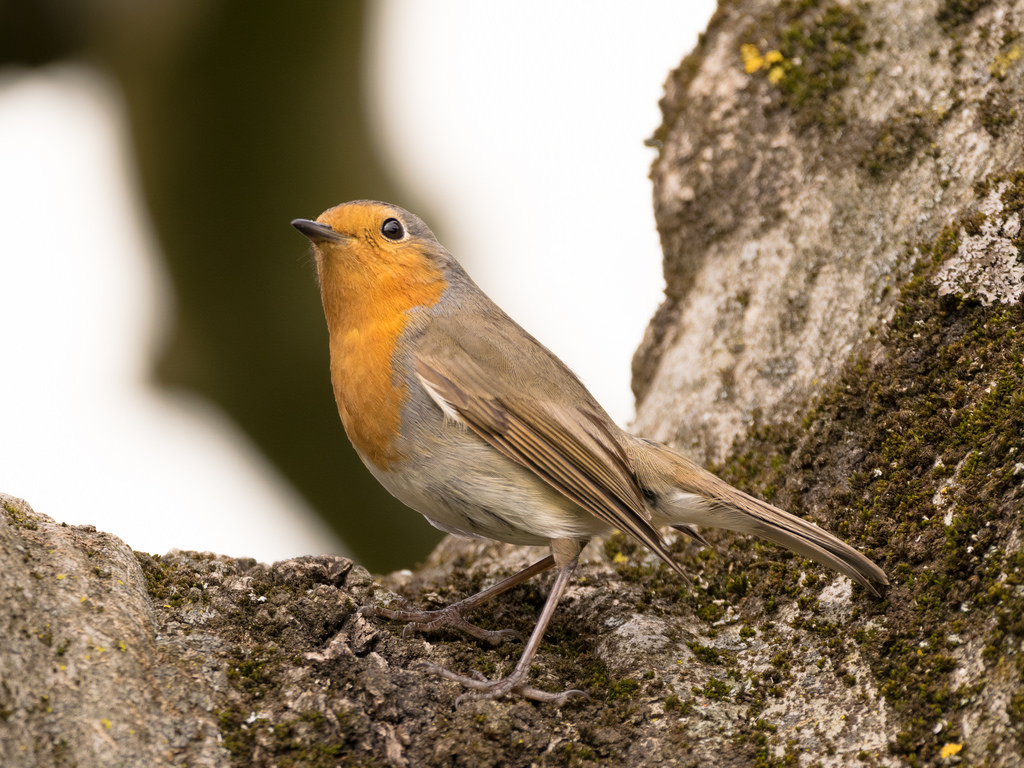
[{"x": 537, "y": 413}]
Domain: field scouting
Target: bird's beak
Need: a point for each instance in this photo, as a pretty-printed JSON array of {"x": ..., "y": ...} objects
[{"x": 318, "y": 232}]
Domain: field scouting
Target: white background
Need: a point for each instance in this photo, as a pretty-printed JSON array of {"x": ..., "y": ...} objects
[{"x": 523, "y": 129}]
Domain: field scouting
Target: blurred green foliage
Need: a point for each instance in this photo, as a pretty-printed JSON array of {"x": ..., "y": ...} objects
[{"x": 245, "y": 114}]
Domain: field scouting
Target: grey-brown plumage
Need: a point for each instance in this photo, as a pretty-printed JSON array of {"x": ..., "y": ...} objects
[{"x": 469, "y": 420}]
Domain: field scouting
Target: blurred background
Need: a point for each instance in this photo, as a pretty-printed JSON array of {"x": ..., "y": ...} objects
[{"x": 163, "y": 353}]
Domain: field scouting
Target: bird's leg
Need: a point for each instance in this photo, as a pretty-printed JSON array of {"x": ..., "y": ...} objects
[
  {"x": 431, "y": 621},
  {"x": 566, "y": 554}
]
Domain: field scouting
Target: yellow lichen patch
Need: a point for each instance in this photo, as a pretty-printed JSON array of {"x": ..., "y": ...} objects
[
  {"x": 950, "y": 749},
  {"x": 1002, "y": 62},
  {"x": 752, "y": 58},
  {"x": 771, "y": 62}
]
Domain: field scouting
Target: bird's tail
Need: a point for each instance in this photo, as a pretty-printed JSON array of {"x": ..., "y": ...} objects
[{"x": 686, "y": 494}]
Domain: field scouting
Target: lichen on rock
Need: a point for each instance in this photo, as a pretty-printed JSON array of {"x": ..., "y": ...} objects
[{"x": 989, "y": 265}]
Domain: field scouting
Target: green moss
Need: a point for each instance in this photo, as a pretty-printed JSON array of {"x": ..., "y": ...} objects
[
  {"x": 253, "y": 670},
  {"x": 623, "y": 689},
  {"x": 238, "y": 738},
  {"x": 714, "y": 689},
  {"x": 898, "y": 141},
  {"x": 633, "y": 564},
  {"x": 294, "y": 741},
  {"x": 929, "y": 432},
  {"x": 572, "y": 660},
  {"x": 576, "y": 754},
  {"x": 738, "y": 585},
  {"x": 810, "y": 48},
  {"x": 18, "y": 518},
  {"x": 998, "y": 110},
  {"x": 762, "y": 736},
  {"x": 953, "y": 13},
  {"x": 675, "y": 704},
  {"x": 159, "y": 578},
  {"x": 714, "y": 656},
  {"x": 710, "y": 612}
]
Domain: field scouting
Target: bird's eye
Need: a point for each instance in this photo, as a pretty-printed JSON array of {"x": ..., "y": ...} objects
[{"x": 392, "y": 229}]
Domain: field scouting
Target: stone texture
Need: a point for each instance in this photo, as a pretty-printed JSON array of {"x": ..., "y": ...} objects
[
  {"x": 786, "y": 209},
  {"x": 84, "y": 679}
]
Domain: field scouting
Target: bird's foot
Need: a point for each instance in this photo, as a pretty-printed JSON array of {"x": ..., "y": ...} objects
[
  {"x": 484, "y": 689},
  {"x": 432, "y": 621}
]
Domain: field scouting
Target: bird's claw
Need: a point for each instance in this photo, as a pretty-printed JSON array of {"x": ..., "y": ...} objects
[
  {"x": 432, "y": 621},
  {"x": 484, "y": 689}
]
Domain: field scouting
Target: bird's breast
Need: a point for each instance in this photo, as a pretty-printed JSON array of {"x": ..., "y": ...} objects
[
  {"x": 368, "y": 394},
  {"x": 369, "y": 336}
]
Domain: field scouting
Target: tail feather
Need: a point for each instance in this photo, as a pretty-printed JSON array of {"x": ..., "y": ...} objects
[
  {"x": 693, "y": 533},
  {"x": 686, "y": 494}
]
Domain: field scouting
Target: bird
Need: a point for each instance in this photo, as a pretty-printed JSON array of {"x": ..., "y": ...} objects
[{"x": 466, "y": 418}]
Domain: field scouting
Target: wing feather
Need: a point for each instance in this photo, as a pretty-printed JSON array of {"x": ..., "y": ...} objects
[{"x": 572, "y": 448}]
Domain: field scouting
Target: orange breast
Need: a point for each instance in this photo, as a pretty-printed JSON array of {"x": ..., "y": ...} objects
[{"x": 366, "y": 315}]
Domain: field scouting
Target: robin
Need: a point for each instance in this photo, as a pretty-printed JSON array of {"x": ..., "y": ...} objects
[{"x": 466, "y": 418}]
